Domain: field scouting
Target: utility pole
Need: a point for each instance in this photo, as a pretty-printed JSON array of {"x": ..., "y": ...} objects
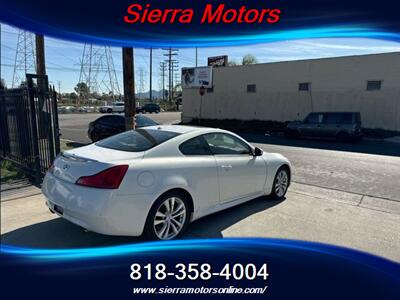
[
  {"x": 129, "y": 87},
  {"x": 59, "y": 89},
  {"x": 196, "y": 57},
  {"x": 163, "y": 69},
  {"x": 170, "y": 54},
  {"x": 40, "y": 57},
  {"x": 40, "y": 63},
  {"x": 151, "y": 74}
]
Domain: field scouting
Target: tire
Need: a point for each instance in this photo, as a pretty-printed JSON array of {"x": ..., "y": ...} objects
[
  {"x": 279, "y": 193},
  {"x": 157, "y": 111},
  {"x": 94, "y": 137},
  {"x": 159, "y": 213},
  {"x": 109, "y": 110}
]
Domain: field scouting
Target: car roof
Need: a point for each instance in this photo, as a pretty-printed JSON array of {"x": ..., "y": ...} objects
[
  {"x": 335, "y": 112},
  {"x": 182, "y": 129},
  {"x": 123, "y": 117}
]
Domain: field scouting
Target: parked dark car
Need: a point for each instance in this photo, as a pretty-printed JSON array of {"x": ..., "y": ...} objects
[
  {"x": 342, "y": 126},
  {"x": 149, "y": 108},
  {"x": 109, "y": 125}
]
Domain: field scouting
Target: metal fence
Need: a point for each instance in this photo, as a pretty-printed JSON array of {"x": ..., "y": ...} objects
[{"x": 29, "y": 126}]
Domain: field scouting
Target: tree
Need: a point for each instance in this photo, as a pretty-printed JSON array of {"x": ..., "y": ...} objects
[
  {"x": 82, "y": 89},
  {"x": 249, "y": 59},
  {"x": 232, "y": 63}
]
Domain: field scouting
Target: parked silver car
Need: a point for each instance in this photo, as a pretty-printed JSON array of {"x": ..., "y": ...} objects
[{"x": 342, "y": 126}]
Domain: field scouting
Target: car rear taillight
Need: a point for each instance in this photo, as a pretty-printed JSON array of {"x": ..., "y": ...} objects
[{"x": 108, "y": 179}]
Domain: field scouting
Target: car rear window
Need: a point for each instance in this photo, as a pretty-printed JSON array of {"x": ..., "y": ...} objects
[
  {"x": 137, "y": 140},
  {"x": 143, "y": 121}
]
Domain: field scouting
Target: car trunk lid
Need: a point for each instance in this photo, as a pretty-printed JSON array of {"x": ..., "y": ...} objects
[{"x": 89, "y": 160}]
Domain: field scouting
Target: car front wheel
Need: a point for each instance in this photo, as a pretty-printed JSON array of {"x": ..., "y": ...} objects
[
  {"x": 168, "y": 217},
  {"x": 281, "y": 183}
]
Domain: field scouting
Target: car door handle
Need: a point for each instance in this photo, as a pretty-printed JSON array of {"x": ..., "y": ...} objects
[{"x": 226, "y": 167}]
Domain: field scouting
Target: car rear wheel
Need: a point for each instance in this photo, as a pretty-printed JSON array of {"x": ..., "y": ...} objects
[
  {"x": 281, "y": 183},
  {"x": 95, "y": 137},
  {"x": 168, "y": 217}
]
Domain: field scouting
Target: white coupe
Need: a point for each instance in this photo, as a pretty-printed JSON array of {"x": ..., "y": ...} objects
[{"x": 156, "y": 180}]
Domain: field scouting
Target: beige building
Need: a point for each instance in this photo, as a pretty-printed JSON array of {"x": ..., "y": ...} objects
[{"x": 287, "y": 91}]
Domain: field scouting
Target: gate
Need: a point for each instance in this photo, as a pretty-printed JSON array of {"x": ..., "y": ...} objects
[{"x": 29, "y": 126}]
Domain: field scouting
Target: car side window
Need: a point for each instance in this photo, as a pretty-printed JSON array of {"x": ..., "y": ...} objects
[
  {"x": 333, "y": 118},
  {"x": 195, "y": 146},
  {"x": 314, "y": 119},
  {"x": 106, "y": 120},
  {"x": 222, "y": 143}
]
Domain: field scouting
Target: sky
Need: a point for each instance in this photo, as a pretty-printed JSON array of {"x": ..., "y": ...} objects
[{"x": 63, "y": 58}]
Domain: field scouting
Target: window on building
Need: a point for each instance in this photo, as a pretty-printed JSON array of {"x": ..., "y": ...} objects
[
  {"x": 374, "y": 85},
  {"x": 304, "y": 86},
  {"x": 251, "y": 88}
]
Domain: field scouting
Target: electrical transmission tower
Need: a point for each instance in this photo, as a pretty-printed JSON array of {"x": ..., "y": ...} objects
[
  {"x": 98, "y": 71},
  {"x": 170, "y": 61},
  {"x": 141, "y": 82},
  {"x": 25, "y": 59}
]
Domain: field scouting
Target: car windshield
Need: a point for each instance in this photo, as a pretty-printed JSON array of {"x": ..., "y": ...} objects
[{"x": 137, "y": 140}]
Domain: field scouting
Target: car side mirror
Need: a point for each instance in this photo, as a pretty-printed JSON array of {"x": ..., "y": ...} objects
[{"x": 257, "y": 152}]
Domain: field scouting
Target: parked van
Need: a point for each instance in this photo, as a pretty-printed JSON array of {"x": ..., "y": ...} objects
[{"x": 342, "y": 126}]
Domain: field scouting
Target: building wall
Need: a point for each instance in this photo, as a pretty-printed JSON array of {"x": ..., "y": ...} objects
[{"x": 337, "y": 84}]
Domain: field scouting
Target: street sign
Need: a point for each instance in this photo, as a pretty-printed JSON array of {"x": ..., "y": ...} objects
[{"x": 202, "y": 90}]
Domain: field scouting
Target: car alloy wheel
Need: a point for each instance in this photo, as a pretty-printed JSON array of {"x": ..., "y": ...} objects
[
  {"x": 281, "y": 183},
  {"x": 170, "y": 218}
]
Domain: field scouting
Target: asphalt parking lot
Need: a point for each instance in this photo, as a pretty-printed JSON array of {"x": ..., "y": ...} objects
[
  {"x": 342, "y": 194},
  {"x": 74, "y": 126},
  {"x": 367, "y": 168}
]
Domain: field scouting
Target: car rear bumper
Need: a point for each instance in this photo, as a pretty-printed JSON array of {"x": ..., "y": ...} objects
[{"x": 98, "y": 210}]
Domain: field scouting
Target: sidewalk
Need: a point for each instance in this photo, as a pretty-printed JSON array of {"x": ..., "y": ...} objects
[
  {"x": 17, "y": 190},
  {"x": 309, "y": 213}
]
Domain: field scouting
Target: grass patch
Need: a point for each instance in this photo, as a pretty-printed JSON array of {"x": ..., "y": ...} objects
[{"x": 9, "y": 172}]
